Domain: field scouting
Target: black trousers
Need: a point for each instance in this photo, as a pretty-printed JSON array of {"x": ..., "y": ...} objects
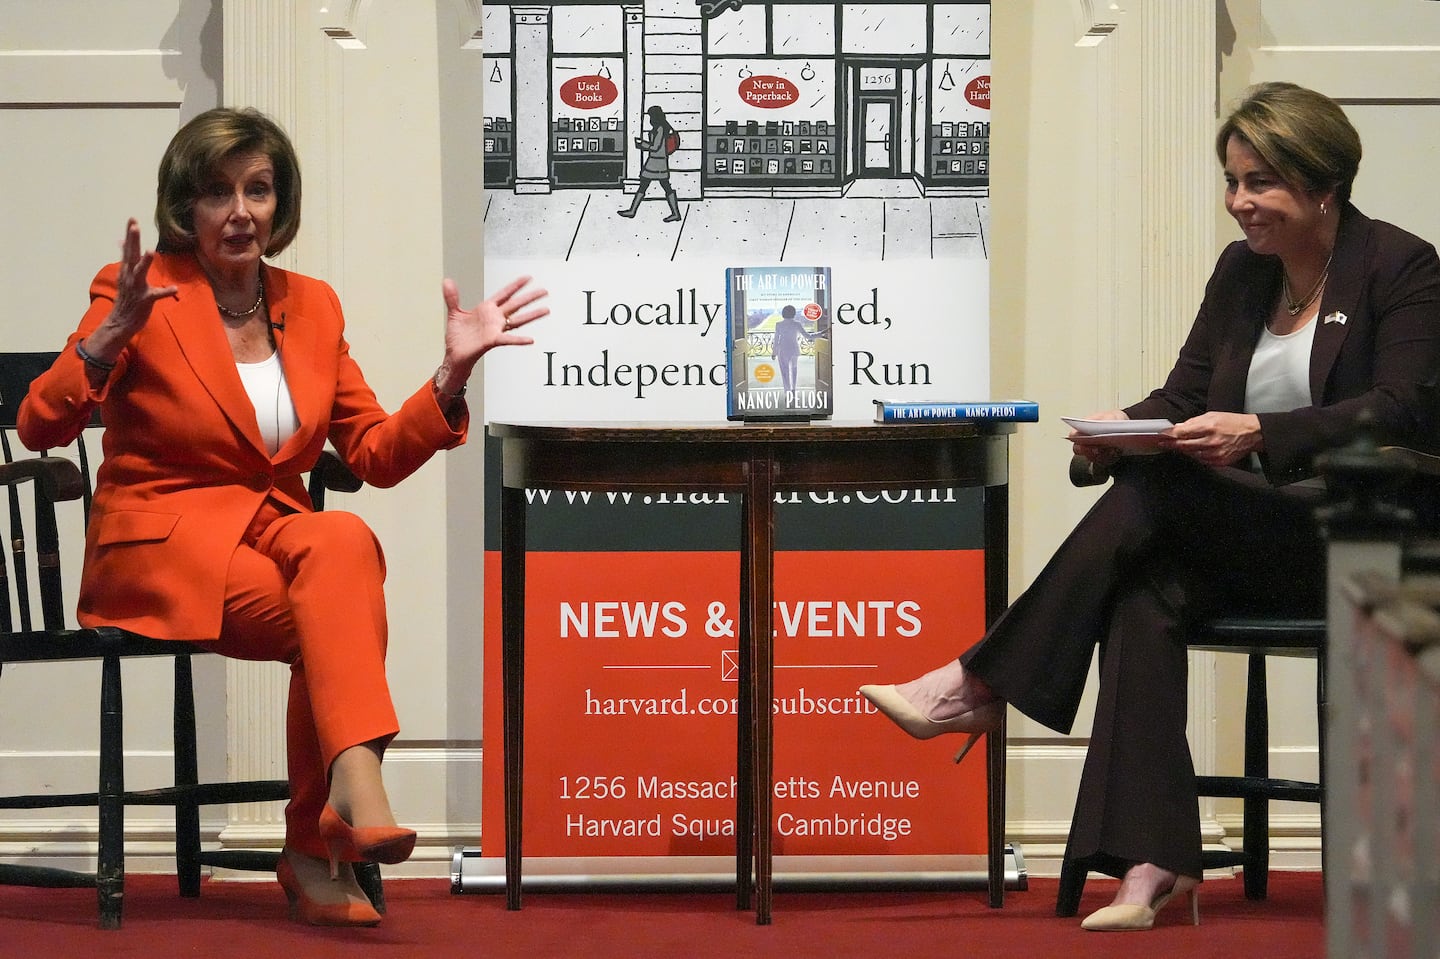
[{"x": 1170, "y": 542}]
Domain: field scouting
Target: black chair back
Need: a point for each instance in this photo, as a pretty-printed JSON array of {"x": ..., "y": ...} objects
[
  {"x": 34, "y": 484},
  {"x": 17, "y": 370}
]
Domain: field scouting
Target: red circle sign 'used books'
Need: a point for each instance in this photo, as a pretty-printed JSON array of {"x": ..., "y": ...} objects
[
  {"x": 977, "y": 92},
  {"x": 588, "y": 93},
  {"x": 768, "y": 92},
  {"x": 812, "y": 311}
]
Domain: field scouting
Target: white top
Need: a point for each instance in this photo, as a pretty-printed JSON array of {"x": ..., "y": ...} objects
[
  {"x": 270, "y": 395},
  {"x": 1279, "y": 378}
]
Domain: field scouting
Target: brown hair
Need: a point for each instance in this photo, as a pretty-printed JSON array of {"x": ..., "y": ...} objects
[
  {"x": 1302, "y": 135},
  {"x": 196, "y": 151}
]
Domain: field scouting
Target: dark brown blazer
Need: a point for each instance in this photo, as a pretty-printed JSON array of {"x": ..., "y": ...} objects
[{"x": 1377, "y": 347}]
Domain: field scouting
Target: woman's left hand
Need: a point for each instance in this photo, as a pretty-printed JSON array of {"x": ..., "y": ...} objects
[
  {"x": 1215, "y": 439},
  {"x": 470, "y": 334}
]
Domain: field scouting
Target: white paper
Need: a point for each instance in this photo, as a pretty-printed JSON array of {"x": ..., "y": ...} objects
[{"x": 1115, "y": 427}]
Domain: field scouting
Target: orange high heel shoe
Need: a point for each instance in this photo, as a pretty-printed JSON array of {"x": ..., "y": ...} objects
[
  {"x": 305, "y": 909},
  {"x": 384, "y": 844}
]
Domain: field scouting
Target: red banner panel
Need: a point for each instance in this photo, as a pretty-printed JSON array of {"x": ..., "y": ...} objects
[{"x": 630, "y": 704}]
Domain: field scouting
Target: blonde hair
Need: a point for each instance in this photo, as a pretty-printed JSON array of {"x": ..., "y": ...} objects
[
  {"x": 1302, "y": 135},
  {"x": 194, "y": 154}
]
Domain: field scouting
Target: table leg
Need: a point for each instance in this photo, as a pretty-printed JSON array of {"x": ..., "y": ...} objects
[
  {"x": 995, "y": 814},
  {"x": 512, "y": 616},
  {"x": 997, "y": 597},
  {"x": 745, "y": 729},
  {"x": 759, "y": 571}
]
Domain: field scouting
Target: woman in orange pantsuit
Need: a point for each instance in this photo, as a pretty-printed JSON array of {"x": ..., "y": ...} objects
[{"x": 220, "y": 379}]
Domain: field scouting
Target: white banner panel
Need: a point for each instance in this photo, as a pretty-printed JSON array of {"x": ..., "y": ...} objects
[{"x": 633, "y": 154}]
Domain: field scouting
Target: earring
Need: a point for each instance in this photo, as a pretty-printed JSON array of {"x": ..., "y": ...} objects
[{"x": 1322, "y": 207}]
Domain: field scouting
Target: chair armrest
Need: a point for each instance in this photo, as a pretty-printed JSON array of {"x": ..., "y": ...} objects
[
  {"x": 1424, "y": 464},
  {"x": 1084, "y": 472},
  {"x": 331, "y": 473},
  {"x": 57, "y": 479}
]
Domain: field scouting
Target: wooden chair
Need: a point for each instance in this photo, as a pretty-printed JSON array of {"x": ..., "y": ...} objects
[
  {"x": 33, "y": 629},
  {"x": 1257, "y": 638}
]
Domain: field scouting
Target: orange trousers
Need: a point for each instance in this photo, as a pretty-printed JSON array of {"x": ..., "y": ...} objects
[{"x": 308, "y": 589}]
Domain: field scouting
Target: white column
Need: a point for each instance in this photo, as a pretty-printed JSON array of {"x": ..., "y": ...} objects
[
  {"x": 1177, "y": 217},
  {"x": 634, "y": 93},
  {"x": 531, "y": 27},
  {"x": 259, "y": 71}
]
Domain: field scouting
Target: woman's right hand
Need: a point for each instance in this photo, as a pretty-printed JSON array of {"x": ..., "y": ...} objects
[
  {"x": 1099, "y": 455},
  {"x": 134, "y": 299}
]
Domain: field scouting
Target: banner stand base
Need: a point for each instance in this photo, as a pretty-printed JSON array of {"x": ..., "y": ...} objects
[{"x": 472, "y": 873}]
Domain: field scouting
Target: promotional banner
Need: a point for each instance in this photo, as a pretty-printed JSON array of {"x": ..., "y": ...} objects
[{"x": 634, "y": 154}]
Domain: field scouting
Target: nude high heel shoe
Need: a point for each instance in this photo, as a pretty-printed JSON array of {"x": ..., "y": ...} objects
[
  {"x": 305, "y": 909},
  {"x": 1133, "y": 918},
  {"x": 976, "y": 722},
  {"x": 384, "y": 844}
]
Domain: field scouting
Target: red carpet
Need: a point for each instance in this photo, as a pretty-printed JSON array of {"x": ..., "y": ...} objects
[{"x": 247, "y": 920}]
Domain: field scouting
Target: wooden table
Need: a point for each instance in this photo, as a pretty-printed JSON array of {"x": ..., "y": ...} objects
[{"x": 755, "y": 461}]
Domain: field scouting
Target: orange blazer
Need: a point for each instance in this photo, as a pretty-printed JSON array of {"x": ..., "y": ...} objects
[{"x": 184, "y": 469}]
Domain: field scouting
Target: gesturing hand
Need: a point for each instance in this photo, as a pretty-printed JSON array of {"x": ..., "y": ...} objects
[
  {"x": 134, "y": 295},
  {"x": 470, "y": 334}
]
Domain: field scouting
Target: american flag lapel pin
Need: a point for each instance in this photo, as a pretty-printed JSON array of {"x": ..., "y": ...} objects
[{"x": 1336, "y": 317}]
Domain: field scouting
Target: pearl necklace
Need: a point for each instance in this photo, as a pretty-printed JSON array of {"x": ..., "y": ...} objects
[
  {"x": 1292, "y": 305},
  {"x": 260, "y": 298}
]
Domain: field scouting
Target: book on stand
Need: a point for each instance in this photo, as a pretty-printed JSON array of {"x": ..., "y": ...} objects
[
  {"x": 779, "y": 362},
  {"x": 906, "y": 411}
]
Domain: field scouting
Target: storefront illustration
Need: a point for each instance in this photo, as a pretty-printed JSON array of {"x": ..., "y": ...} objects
[{"x": 766, "y": 99}]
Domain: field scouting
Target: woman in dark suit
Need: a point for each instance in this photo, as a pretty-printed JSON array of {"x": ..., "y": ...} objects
[
  {"x": 1319, "y": 317},
  {"x": 220, "y": 379}
]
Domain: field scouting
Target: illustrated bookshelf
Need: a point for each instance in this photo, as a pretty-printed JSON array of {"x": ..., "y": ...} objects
[
  {"x": 587, "y": 151},
  {"x": 499, "y": 152},
  {"x": 791, "y": 151},
  {"x": 960, "y": 153}
]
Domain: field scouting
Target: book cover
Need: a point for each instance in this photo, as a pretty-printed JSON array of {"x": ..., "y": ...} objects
[
  {"x": 778, "y": 321},
  {"x": 905, "y": 411}
]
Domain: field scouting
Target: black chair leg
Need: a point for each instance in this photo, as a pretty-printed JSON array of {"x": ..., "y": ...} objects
[
  {"x": 1322, "y": 709},
  {"x": 1257, "y": 766},
  {"x": 187, "y": 775},
  {"x": 1072, "y": 886},
  {"x": 367, "y": 875},
  {"x": 110, "y": 860}
]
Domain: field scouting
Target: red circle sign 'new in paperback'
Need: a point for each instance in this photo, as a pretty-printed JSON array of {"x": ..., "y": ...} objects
[{"x": 768, "y": 92}]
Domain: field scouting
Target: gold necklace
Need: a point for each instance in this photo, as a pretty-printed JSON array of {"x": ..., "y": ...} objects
[
  {"x": 1292, "y": 305},
  {"x": 259, "y": 298}
]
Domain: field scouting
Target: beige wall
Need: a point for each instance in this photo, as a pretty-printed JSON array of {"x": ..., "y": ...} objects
[
  {"x": 1102, "y": 230},
  {"x": 1106, "y": 219}
]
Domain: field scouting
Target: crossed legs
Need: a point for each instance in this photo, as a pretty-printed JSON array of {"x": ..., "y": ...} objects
[
  {"x": 308, "y": 591},
  {"x": 1170, "y": 540}
]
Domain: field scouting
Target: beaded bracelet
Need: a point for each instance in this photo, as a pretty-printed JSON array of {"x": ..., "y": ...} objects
[{"x": 96, "y": 362}]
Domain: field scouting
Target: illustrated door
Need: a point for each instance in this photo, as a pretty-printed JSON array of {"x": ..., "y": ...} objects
[{"x": 879, "y": 136}]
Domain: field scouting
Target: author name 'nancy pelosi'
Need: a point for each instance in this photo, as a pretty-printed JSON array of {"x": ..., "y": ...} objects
[{"x": 754, "y": 399}]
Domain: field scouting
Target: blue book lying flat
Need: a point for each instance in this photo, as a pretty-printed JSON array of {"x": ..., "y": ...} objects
[{"x": 1012, "y": 411}]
